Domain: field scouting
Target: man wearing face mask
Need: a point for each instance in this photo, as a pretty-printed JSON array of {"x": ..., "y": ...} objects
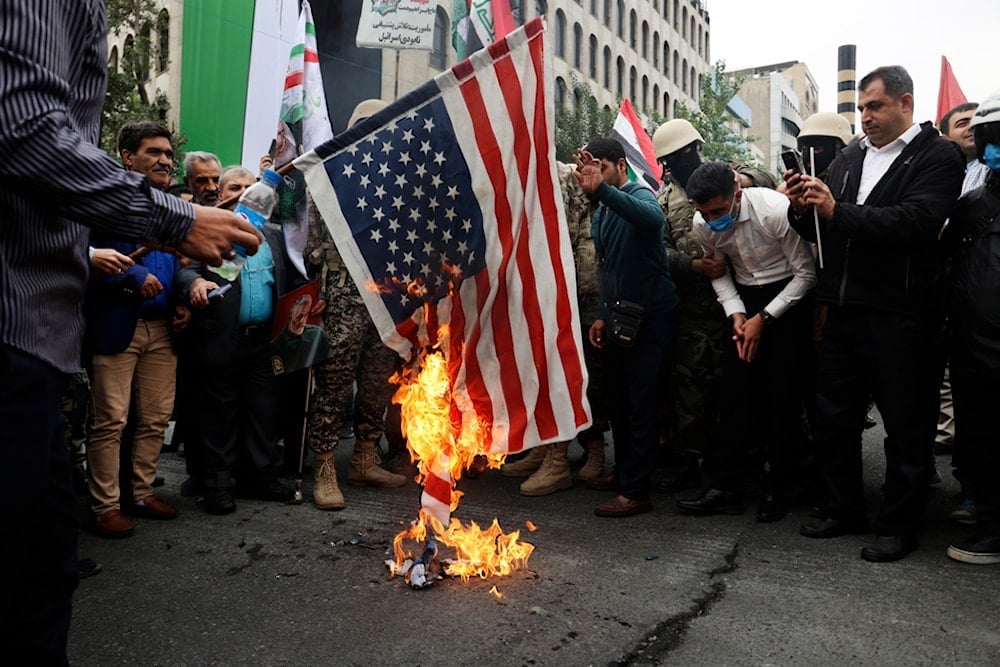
[
  {"x": 773, "y": 274},
  {"x": 823, "y": 135},
  {"x": 974, "y": 318},
  {"x": 691, "y": 403}
]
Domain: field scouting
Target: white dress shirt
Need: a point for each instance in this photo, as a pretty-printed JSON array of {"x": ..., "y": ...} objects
[
  {"x": 762, "y": 249},
  {"x": 878, "y": 160}
]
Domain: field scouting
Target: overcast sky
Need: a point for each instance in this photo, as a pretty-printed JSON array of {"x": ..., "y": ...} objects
[{"x": 913, "y": 34}]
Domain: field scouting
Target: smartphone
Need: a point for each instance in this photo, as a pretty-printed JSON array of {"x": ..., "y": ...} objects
[
  {"x": 219, "y": 291},
  {"x": 793, "y": 161}
]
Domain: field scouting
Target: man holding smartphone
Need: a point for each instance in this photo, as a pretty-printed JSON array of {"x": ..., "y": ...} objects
[{"x": 881, "y": 207}]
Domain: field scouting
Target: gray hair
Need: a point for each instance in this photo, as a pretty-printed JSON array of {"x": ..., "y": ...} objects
[{"x": 200, "y": 156}]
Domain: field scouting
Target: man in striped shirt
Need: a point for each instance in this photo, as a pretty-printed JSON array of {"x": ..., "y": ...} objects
[{"x": 57, "y": 184}]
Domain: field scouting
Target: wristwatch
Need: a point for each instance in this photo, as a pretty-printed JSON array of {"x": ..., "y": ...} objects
[{"x": 765, "y": 316}]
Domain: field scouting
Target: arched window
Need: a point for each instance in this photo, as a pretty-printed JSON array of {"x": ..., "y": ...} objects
[
  {"x": 439, "y": 52},
  {"x": 684, "y": 76},
  {"x": 691, "y": 32},
  {"x": 633, "y": 80},
  {"x": 645, "y": 40},
  {"x": 666, "y": 59},
  {"x": 656, "y": 95},
  {"x": 666, "y": 106},
  {"x": 162, "y": 41},
  {"x": 656, "y": 48},
  {"x": 621, "y": 19},
  {"x": 695, "y": 84},
  {"x": 577, "y": 44},
  {"x": 607, "y": 13},
  {"x": 592, "y": 70},
  {"x": 620, "y": 87},
  {"x": 143, "y": 51},
  {"x": 677, "y": 10},
  {"x": 701, "y": 51},
  {"x": 560, "y": 33},
  {"x": 684, "y": 24},
  {"x": 541, "y": 8},
  {"x": 645, "y": 94},
  {"x": 632, "y": 23},
  {"x": 113, "y": 59},
  {"x": 676, "y": 59},
  {"x": 560, "y": 94}
]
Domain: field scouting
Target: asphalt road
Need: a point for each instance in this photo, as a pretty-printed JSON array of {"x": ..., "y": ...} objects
[{"x": 279, "y": 584}]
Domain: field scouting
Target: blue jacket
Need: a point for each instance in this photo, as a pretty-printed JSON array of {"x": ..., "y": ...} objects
[{"x": 112, "y": 304}]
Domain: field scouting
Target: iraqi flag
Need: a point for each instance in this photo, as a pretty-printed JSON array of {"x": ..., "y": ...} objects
[
  {"x": 639, "y": 152},
  {"x": 477, "y": 23}
]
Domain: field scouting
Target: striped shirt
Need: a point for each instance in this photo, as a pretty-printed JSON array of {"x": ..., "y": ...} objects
[{"x": 56, "y": 182}]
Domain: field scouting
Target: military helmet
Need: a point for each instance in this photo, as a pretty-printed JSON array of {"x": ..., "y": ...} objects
[
  {"x": 365, "y": 109},
  {"x": 827, "y": 124},
  {"x": 674, "y": 135},
  {"x": 986, "y": 123}
]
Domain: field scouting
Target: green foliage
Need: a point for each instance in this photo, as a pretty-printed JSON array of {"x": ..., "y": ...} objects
[
  {"x": 580, "y": 120},
  {"x": 129, "y": 95},
  {"x": 721, "y": 141}
]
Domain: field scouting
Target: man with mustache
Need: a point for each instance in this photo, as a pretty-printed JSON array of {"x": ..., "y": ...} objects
[
  {"x": 202, "y": 175},
  {"x": 129, "y": 326}
]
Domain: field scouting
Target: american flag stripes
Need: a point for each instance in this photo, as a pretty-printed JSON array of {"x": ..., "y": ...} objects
[{"x": 445, "y": 208}]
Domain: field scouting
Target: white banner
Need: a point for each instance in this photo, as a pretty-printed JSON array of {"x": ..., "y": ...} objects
[{"x": 397, "y": 24}]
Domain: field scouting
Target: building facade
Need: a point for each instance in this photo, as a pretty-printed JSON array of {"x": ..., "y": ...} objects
[{"x": 654, "y": 52}]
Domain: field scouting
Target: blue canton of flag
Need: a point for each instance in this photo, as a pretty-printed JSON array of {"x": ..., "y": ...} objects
[{"x": 414, "y": 216}]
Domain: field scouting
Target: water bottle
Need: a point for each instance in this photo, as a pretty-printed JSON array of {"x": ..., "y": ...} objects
[{"x": 255, "y": 206}]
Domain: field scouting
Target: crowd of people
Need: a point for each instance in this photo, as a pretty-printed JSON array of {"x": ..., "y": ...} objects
[{"x": 737, "y": 329}]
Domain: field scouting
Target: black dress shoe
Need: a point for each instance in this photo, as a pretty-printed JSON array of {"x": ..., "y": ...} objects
[
  {"x": 833, "y": 527},
  {"x": 219, "y": 501},
  {"x": 889, "y": 548},
  {"x": 771, "y": 508},
  {"x": 714, "y": 501}
]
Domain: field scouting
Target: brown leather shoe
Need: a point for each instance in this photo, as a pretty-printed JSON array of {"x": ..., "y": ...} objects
[
  {"x": 621, "y": 506},
  {"x": 608, "y": 482},
  {"x": 113, "y": 524},
  {"x": 152, "y": 507}
]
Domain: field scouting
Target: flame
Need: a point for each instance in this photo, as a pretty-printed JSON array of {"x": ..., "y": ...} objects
[
  {"x": 436, "y": 433},
  {"x": 530, "y": 526},
  {"x": 496, "y": 592}
]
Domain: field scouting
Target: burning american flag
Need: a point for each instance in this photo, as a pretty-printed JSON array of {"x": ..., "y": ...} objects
[{"x": 445, "y": 209}]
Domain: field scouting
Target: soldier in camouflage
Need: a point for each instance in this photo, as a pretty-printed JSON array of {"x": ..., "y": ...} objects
[
  {"x": 690, "y": 408},
  {"x": 547, "y": 467},
  {"x": 357, "y": 355}
]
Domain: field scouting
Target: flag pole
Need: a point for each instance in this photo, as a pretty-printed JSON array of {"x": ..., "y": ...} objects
[{"x": 819, "y": 242}]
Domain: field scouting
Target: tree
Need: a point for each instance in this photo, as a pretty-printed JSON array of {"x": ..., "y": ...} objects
[
  {"x": 129, "y": 95},
  {"x": 721, "y": 141},
  {"x": 580, "y": 120}
]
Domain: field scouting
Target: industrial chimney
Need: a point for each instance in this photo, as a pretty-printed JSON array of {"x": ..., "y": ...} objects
[{"x": 847, "y": 82}]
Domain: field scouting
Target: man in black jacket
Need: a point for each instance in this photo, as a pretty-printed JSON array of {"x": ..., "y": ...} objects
[{"x": 881, "y": 208}]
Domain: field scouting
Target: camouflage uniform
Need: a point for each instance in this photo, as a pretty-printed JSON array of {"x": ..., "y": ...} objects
[
  {"x": 690, "y": 409},
  {"x": 357, "y": 354},
  {"x": 578, "y": 215}
]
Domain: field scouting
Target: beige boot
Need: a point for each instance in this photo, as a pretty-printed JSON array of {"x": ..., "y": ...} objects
[
  {"x": 326, "y": 493},
  {"x": 526, "y": 466},
  {"x": 552, "y": 476},
  {"x": 594, "y": 466},
  {"x": 364, "y": 470}
]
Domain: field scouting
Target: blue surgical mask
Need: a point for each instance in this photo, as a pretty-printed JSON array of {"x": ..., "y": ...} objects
[
  {"x": 991, "y": 157},
  {"x": 725, "y": 222}
]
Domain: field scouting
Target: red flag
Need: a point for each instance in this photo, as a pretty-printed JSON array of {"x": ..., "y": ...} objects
[{"x": 950, "y": 94}]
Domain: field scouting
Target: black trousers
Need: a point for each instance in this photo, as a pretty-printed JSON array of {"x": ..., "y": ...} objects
[
  {"x": 762, "y": 400},
  {"x": 38, "y": 557},
  {"x": 976, "y": 399},
  {"x": 894, "y": 359},
  {"x": 238, "y": 417},
  {"x": 635, "y": 385}
]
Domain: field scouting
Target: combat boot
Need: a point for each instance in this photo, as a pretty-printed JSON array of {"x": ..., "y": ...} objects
[
  {"x": 553, "y": 475},
  {"x": 364, "y": 470},
  {"x": 594, "y": 466},
  {"x": 326, "y": 493},
  {"x": 526, "y": 466}
]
